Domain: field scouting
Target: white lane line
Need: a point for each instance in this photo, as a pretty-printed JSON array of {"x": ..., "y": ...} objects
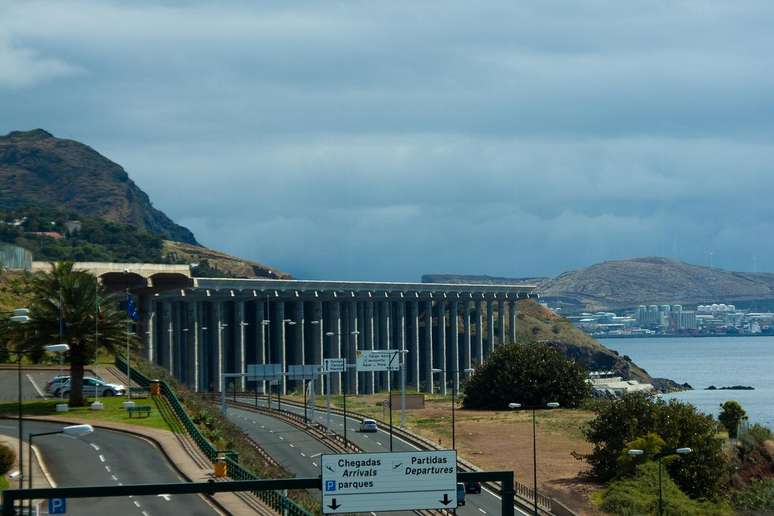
[
  {"x": 314, "y": 464},
  {"x": 107, "y": 468},
  {"x": 316, "y": 455},
  {"x": 482, "y": 510},
  {"x": 377, "y": 442},
  {"x": 166, "y": 497},
  {"x": 365, "y": 436},
  {"x": 114, "y": 477},
  {"x": 136, "y": 503},
  {"x": 303, "y": 454},
  {"x": 102, "y": 458},
  {"x": 282, "y": 438},
  {"x": 35, "y": 385},
  {"x": 291, "y": 445},
  {"x": 145, "y": 513},
  {"x": 96, "y": 448}
]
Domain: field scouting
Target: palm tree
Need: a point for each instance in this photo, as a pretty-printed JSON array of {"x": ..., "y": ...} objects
[{"x": 74, "y": 296}]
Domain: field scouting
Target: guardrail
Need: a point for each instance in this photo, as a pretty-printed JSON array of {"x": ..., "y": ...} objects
[
  {"x": 524, "y": 494},
  {"x": 274, "y": 499}
]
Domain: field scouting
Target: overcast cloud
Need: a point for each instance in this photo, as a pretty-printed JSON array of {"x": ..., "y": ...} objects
[{"x": 370, "y": 140}]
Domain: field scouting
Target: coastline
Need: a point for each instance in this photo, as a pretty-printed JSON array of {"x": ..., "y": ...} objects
[{"x": 674, "y": 336}]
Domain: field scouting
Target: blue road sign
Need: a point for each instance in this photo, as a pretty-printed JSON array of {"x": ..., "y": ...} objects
[{"x": 57, "y": 505}]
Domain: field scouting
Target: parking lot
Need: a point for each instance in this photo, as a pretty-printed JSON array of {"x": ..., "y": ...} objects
[{"x": 33, "y": 383}]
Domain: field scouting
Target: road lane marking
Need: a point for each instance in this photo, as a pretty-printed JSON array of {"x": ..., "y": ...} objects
[
  {"x": 35, "y": 385},
  {"x": 136, "y": 503},
  {"x": 292, "y": 445},
  {"x": 107, "y": 468},
  {"x": 482, "y": 510},
  {"x": 145, "y": 513},
  {"x": 303, "y": 454},
  {"x": 165, "y": 496},
  {"x": 282, "y": 438},
  {"x": 102, "y": 458},
  {"x": 316, "y": 455},
  {"x": 114, "y": 477},
  {"x": 377, "y": 442},
  {"x": 96, "y": 448},
  {"x": 314, "y": 464}
]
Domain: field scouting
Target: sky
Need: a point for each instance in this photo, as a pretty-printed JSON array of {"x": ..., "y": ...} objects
[{"x": 386, "y": 140}]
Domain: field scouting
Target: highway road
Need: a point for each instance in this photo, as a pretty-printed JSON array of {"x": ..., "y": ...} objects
[
  {"x": 476, "y": 505},
  {"x": 107, "y": 457}
]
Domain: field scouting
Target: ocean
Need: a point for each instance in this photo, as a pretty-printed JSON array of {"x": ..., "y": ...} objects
[{"x": 705, "y": 361}]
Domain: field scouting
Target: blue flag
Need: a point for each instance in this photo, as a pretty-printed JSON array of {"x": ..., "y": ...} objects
[{"x": 131, "y": 309}]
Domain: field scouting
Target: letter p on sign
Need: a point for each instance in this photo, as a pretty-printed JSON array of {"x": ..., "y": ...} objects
[{"x": 57, "y": 505}]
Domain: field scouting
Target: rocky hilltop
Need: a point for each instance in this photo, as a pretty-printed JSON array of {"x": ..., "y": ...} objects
[
  {"x": 37, "y": 169},
  {"x": 628, "y": 283}
]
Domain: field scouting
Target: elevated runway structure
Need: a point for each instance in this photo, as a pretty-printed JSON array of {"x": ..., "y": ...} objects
[{"x": 219, "y": 326}]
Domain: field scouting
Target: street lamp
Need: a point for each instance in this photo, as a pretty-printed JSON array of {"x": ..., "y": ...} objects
[
  {"x": 266, "y": 352},
  {"x": 72, "y": 431},
  {"x": 678, "y": 451},
  {"x": 346, "y": 381},
  {"x": 516, "y": 406},
  {"x": 454, "y": 400}
]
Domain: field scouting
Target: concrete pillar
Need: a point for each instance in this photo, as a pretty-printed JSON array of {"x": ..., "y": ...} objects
[
  {"x": 298, "y": 342},
  {"x": 400, "y": 338},
  {"x": 384, "y": 340},
  {"x": 148, "y": 321},
  {"x": 335, "y": 343},
  {"x": 369, "y": 341},
  {"x": 513, "y": 310},
  {"x": 169, "y": 348},
  {"x": 479, "y": 346},
  {"x": 241, "y": 321},
  {"x": 466, "y": 341},
  {"x": 178, "y": 341},
  {"x": 279, "y": 342},
  {"x": 454, "y": 343},
  {"x": 427, "y": 348},
  {"x": 490, "y": 328},
  {"x": 413, "y": 363},
  {"x": 220, "y": 327},
  {"x": 353, "y": 334},
  {"x": 362, "y": 379},
  {"x": 441, "y": 347},
  {"x": 501, "y": 321},
  {"x": 193, "y": 343},
  {"x": 318, "y": 340}
]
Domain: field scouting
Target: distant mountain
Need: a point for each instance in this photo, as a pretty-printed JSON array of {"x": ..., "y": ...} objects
[
  {"x": 472, "y": 279},
  {"x": 45, "y": 182},
  {"x": 37, "y": 169},
  {"x": 628, "y": 283}
]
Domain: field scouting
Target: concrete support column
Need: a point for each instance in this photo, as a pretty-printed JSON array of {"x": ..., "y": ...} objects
[
  {"x": 490, "y": 328},
  {"x": 479, "y": 346},
  {"x": 353, "y": 334},
  {"x": 178, "y": 338},
  {"x": 384, "y": 340},
  {"x": 279, "y": 342},
  {"x": 466, "y": 341},
  {"x": 168, "y": 330},
  {"x": 513, "y": 311},
  {"x": 400, "y": 338},
  {"x": 193, "y": 344},
  {"x": 148, "y": 320},
  {"x": 335, "y": 343},
  {"x": 427, "y": 348},
  {"x": 454, "y": 343},
  {"x": 317, "y": 340},
  {"x": 413, "y": 355},
  {"x": 220, "y": 312},
  {"x": 298, "y": 342},
  {"x": 440, "y": 362},
  {"x": 501, "y": 322},
  {"x": 241, "y": 321},
  {"x": 368, "y": 308}
]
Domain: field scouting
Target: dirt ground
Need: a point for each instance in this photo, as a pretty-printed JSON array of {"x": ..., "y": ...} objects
[{"x": 497, "y": 440}]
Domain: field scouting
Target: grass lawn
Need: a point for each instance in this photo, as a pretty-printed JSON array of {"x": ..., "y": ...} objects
[
  {"x": 112, "y": 411},
  {"x": 3, "y": 483}
]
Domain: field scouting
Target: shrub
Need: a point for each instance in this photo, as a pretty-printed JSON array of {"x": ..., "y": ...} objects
[
  {"x": 758, "y": 496},
  {"x": 678, "y": 424},
  {"x": 532, "y": 375},
  {"x": 639, "y": 495},
  {"x": 731, "y": 413},
  {"x": 7, "y": 458}
]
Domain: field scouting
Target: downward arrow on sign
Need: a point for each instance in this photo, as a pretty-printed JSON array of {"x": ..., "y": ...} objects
[
  {"x": 446, "y": 500},
  {"x": 334, "y": 505}
]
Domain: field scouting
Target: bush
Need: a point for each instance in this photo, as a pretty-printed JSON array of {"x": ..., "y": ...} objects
[
  {"x": 731, "y": 413},
  {"x": 639, "y": 495},
  {"x": 7, "y": 458},
  {"x": 700, "y": 474},
  {"x": 533, "y": 375},
  {"x": 758, "y": 496}
]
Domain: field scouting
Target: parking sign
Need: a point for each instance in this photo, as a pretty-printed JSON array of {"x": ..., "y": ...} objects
[{"x": 57, "y": 505}]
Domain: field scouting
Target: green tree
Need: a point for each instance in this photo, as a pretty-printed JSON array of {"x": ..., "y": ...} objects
[
  {"x": 76, "y": 295},
  {"x": 532, "y": 375},
  {"x": 7, "y": 458},
  {"x": 700, "y": 474},
  {"x": 731, "y": 413}
]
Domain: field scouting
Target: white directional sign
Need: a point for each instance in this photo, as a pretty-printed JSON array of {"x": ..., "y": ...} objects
[
  {"x": 370, "y": 482},
  {"x": 303, "y": 372},
  {"x": 378, "y": 360},
  {"x": 334, "y": 365},
  {"x": 264, "y": 371}
]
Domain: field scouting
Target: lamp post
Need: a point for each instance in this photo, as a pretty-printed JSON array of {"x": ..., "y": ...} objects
[
  {"x": 266, "y": 354},
  {"x": 516, "y": 406},
  {"x": 346, "y": 380},
  {"x": 676, "y": 452},
  {"x": 20, "y": 316},
  {"x": 283, "y": 383},
  {"x": 454, "y": 400},
  {"x": 72, "y": 431}
]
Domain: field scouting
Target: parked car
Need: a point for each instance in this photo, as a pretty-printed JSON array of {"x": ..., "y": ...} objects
[
  {"x": 94, "y": 387},
  {"x": 54, "y": 383},
  {"x": 460, "y": 494},
  {"x": 473, "y": 487},
  {"x": 368, "y": 425}
]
